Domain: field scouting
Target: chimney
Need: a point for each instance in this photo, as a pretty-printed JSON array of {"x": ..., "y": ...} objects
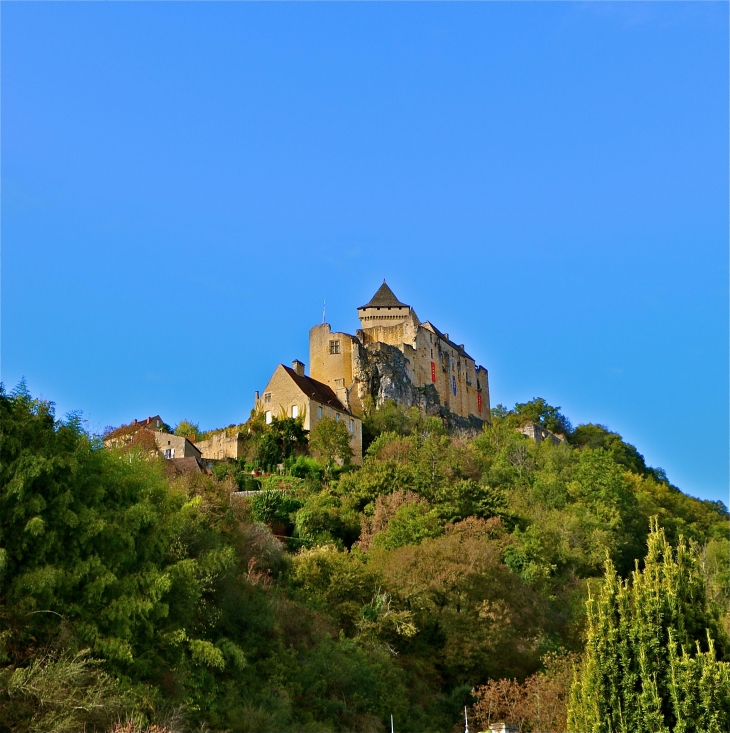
[
  {"x": 256, "y": 395},
  {"x": 135, "y": 420},
  {"x": 446, "y": 335},
  {"x": 298, "y": 367}
]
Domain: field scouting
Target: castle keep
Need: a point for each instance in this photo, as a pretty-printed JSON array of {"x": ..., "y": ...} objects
[{"x": 396, "y": 356}]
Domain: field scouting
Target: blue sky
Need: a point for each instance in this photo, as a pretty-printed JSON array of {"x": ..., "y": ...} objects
[{"x": 183, "y": 184}]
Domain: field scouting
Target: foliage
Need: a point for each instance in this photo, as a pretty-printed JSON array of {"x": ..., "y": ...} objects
[
  {"x": 325, "y": 519},
  {"x": 539, "y": 704},
  {"x": 650, "y": 662},
  {"x": 388, "y": 418},
  {"x": 279, "y": 440},
  {"x": 599, "y": 436},
  {"x": 445, "y": 564},
  {"x": 330, "y": 439},
  {"x": 188, "y": 429},
  {"x": 544, "y": 414},
  {"x": 61, "y": 693},
  {"x": 275, "y": 508}
]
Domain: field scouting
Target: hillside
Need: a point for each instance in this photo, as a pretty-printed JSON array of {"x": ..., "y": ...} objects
[{"x": 333, "y": 598}]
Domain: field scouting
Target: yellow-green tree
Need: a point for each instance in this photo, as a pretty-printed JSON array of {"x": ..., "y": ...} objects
[
  {"x": 650, "y": 664},
  {"x": 331, "y": 439}
]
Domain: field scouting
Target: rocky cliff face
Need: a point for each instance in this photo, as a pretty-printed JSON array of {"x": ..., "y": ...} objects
[{"x": 380, "y": 371}]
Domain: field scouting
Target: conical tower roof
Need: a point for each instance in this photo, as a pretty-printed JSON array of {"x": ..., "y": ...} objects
[{"x": 384, "y": 298}]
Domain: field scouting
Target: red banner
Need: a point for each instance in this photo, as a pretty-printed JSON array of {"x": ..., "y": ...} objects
[
  {"x": 479, "y": 401},
  {"x": 433, "y": 371}
]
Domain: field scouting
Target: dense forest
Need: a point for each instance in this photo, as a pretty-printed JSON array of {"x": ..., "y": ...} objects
[{"x": 449, "y": 571}]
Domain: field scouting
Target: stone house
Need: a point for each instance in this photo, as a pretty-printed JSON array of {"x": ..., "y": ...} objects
[
  {"x": 175, "y": 446},
  {"x": 148, "y": 434},
  {"x": 293, "y": 394},
  {"x": 396, "y": 356}
]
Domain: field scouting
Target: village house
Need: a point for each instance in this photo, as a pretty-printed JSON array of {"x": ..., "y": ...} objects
[
  {"x": 150, "y": 434},
  {"x": 291, "y": 393}
]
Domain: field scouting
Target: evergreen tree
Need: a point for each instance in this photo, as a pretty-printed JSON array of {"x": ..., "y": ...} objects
[{"x": 638, "y": 674}]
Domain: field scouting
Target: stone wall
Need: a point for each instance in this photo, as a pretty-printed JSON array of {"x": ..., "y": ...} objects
[
  {"x": 538, "y": 433},
  {"x": 428, "y": 363},
  {"x": 333, "y": 369},
  {"x": 221, "y": 446}
]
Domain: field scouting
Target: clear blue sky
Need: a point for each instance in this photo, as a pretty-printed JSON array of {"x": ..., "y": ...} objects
[{"x": 183, "y": 184}]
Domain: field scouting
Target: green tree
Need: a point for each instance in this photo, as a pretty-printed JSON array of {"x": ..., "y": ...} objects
[
  {"x": 539, "y": 411},
  {"x": 186, "y": 429},
  {"x": 331, "y": 440},
  {"x": 599, "y": 436},
  {"x": 650, "y": 662}
]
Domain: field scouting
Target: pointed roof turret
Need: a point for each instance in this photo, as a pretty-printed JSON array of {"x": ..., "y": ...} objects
[{"x": 384, "y": 298}]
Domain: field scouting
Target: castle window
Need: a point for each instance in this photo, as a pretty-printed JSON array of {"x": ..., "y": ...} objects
[
  {"x": 319, "y": 413},
  {"x": 295, "y": 410},
  {"x": 432, "y": 353},
  {"x": 170, "y": 453},
  {"x": 268, "y": 417},
  {"x": 267, "y": 397},
  {"x": 337, "y": 417},
  {"x": 334, "y": 347},
  {"x": 352, "y": 426}
]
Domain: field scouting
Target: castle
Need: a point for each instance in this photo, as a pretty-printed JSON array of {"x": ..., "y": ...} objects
[{"x": 395, "y": 356}]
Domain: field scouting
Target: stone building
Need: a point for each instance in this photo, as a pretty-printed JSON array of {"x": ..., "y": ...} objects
[
  {"x": 175, "y": 446},
  {"x": 222, "y": 445},
  {"x": 538, "y": 433},
  {"x": 149, "y": 435},
  {"x": 292, "y": 394},
  {"x": 396, "y": 356}
]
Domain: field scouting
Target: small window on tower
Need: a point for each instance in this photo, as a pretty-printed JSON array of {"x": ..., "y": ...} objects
[
  {"x": 267, "y": 397},
  {"x": 334, "y": 347},
  {"x": 352, "y": 426},
  {"x": 319, "y": 413}
]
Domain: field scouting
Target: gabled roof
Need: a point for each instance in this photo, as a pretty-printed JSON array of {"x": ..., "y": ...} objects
[
  {"x": 318, "y": 391},
  {"x": 384, "y": 298},
  {"x": 458, "y": 347},
  {"x": 149, "y": 421}
]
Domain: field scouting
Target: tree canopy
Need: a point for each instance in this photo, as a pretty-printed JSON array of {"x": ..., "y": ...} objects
[{"x": 332, "y": 599}]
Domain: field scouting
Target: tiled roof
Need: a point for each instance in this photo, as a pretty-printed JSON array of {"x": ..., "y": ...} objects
[
  {"x": 384, "y": 298},
  {"x": 179, "y": 466},
  {"x": 318, "y": 391}
]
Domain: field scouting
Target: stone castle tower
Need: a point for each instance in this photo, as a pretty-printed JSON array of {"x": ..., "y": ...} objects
[{"x": 395, "y": 356}]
